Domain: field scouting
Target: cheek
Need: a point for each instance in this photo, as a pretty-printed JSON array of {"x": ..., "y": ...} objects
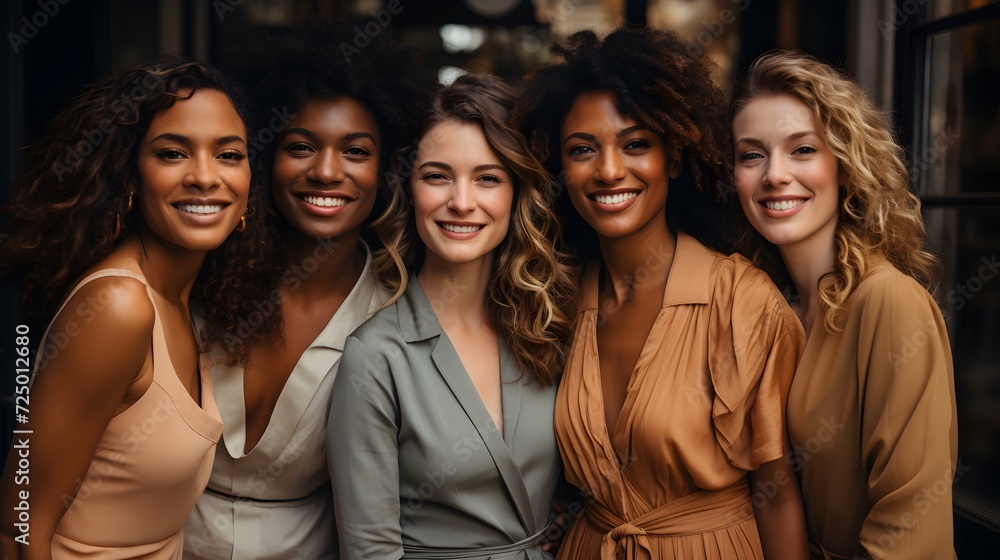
[
  {"x": 501, "y": 205},
  {"x": 366, "y": 176},
  {"x": 284, "y": 171},
  {"x": 653, "y": 166},
  {"x": 241, "y": 186},
  {"x": 574, "y": 173},
  {"x": 423, "y": 201}
]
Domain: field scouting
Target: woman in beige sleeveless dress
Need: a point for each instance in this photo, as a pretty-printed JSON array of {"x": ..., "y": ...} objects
[{"x": 121, "y": 426}]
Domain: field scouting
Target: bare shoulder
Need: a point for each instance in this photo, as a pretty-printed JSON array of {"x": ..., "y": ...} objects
[{"x": 105, "y": 330}]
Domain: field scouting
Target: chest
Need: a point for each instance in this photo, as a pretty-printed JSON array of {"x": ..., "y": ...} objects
[
  {"x": 270, "y": 367},
  {"x": 621, "y": 338},
  {"x": 479, "y": 353}
]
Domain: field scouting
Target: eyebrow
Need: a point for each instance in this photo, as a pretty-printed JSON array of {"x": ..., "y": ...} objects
[
  {"x": 349, "y": 136},
  {"x": 180, "y": 138},
  {"x": 356, "y": 135},
  {"x": 793, "y": 136},
  {"x": 591, "y": 138},
  {"x": 476, "y": 169}
]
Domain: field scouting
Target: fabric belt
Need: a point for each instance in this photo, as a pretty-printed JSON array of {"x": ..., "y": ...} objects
[
  {"x": 699, "y": 512},
  {"x": 528, "y": 546},
  {"x": 817, "y": 552},
  {"x": 324, "y": 488}
]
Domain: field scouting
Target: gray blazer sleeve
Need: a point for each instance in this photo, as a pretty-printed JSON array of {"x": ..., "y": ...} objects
[{"x": 363, "y": 456}]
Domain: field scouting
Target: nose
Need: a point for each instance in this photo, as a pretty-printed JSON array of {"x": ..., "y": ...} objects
[
  {"x": 610, "y": 167},
  {"x": 202, "y": 174},
  {"x": 463, "y": 200},
  {"x": 327, "y": 168},
  {"x": 776, "y": 173}
]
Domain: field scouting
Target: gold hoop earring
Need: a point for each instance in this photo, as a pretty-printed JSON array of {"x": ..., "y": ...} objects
[
  {"x": 118, "y": 217},
  {"x": 243, "y": 223}
]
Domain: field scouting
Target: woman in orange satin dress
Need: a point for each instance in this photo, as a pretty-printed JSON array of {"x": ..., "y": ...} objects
[{"x": 670, "y": 414}]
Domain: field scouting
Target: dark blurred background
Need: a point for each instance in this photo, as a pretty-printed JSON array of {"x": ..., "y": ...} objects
[{"x": 934, "y": 63}]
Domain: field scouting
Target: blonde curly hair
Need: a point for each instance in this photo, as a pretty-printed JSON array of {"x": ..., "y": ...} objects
[
  {"x": 878, "y": 213},
  {"x": 531, "y": 292}
]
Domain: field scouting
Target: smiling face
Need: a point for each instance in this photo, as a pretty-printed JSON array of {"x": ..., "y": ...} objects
[
  {"x": 786, "y": 175},
  {"x": 462, "y": 194},
  {"x": 193, "y": 176},
  {"x": 325, "y": 175},
  {"x": 616, "y": 170}
]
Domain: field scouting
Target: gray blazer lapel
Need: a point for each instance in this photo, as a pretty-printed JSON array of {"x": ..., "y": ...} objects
[
  {"x": 418, "y": 322},
  {"x": 450, "y": 367},
  {"x": 512, "y": 389}
]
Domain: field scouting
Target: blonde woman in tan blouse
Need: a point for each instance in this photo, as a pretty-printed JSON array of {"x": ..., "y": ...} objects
[{"x": 871, "y": 410}]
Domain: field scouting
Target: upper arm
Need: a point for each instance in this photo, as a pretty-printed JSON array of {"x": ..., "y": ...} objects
[
  {"x": 908, "y": 425},
  {"x": 97, "y": 346},
  {"x": 363, "y": 455}
]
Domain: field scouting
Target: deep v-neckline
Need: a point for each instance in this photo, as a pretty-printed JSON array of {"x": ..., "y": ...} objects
[
  {"x": 465, "y": 371},
  {"x": 611, "y": 439}
]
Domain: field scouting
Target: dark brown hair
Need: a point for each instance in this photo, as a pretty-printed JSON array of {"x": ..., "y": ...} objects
[{"x": 531, "y": 291}]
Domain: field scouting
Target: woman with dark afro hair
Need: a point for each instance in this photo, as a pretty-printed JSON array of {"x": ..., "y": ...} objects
[
  {"x": 123, "y": 425},
  {"x": 330, "y": 120},
  {"x": 670, "y": 413}
]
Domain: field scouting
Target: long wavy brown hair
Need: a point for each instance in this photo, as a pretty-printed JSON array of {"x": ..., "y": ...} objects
[
  {"x": 531, "y": 290},
  {"x": 72, "y": 197},
  {"x": 878, "y": 212}
]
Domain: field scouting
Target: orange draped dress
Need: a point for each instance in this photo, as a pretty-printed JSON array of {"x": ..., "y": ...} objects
[{"x": 704, "y": 405}]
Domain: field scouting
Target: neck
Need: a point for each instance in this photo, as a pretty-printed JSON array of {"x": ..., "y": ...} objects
[
  {"x": 319, "y": 268},
  {"x": 807, "y": 262},
  {"x": 639, "y": 261},
  {"x": 169, "y": 269},
  {"x": 457, "y": 291}
]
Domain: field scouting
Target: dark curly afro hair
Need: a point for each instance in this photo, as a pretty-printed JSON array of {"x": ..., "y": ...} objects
[
  {"x": 664, "y": 85},
  {"x": 282, "y": 68}
]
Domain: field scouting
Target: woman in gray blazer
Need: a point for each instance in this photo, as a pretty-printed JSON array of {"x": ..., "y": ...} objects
[{"x": 440, "y": 436}]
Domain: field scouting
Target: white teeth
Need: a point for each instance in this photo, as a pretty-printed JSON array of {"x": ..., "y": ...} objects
[
  {"x": 325, "y": 200},
  {"x": 783, "y": 204},
  {"x": 461, "y": 229},
  {"x": 615, "y": 198},
  {"x": 200, "y": 208}
]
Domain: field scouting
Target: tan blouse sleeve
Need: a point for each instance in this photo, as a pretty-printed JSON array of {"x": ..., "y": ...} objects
[
  {"x": 755, "y": 342},
  {"x": 908, "y": 424}
]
